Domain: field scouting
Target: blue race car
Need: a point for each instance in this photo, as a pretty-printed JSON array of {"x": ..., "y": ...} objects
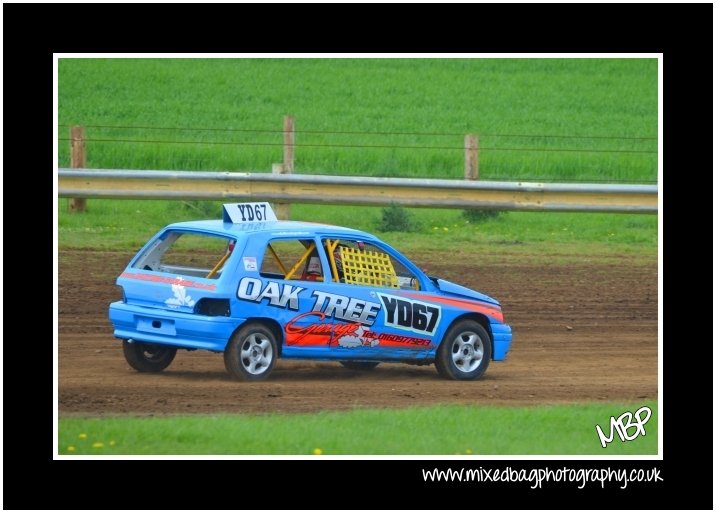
[{"x": 258, "y": 289}]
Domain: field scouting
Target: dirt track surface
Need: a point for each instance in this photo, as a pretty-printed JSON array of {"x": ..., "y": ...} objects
[{"x": 582, "y": 332}]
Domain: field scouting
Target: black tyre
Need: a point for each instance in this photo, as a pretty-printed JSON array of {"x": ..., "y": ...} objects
[
  {"x": 361, "y": 366},
  {"x": 465, "y": 351},
  {"x": 251, "y": 353},
  {"x": 148, "y": 357}
]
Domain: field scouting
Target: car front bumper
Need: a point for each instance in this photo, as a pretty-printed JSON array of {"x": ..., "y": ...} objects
[{"x": 502, "y": 339}]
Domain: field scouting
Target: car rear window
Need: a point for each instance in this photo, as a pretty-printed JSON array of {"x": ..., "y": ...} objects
[{"x": 187, "y": 253}]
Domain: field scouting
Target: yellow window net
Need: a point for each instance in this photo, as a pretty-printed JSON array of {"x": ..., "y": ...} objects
[{"x": 367, "y": 268}]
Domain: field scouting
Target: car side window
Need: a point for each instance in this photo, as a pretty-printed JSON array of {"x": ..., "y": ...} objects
[
  {"x": 292, "y": 259},
  {"x": 364, "y": 264}
]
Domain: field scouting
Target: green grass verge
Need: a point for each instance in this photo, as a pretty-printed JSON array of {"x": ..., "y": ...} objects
[
  {"x": 128, "y": 224},
  {"x": 446, "y": 430}
]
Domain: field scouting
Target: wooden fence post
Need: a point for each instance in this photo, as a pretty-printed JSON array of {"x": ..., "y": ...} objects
[
  {"x": 283, "y": 210},
  {"x": 78, "y": 159},
  {"x": 472, "y": 169},
  {"x": 289, "y": 141}
]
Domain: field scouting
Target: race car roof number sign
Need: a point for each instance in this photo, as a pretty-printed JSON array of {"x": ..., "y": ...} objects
[{"x": 248, "y": 212}]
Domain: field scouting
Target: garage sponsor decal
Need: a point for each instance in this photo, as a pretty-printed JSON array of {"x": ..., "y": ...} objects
[
  {"x": 339, "y": 307},
  {"x": 360, "y": 337},
  {"x": 346, "y": 308},
  {"x": 410, "y": 315},
  {"x": 319, "y": 329},
  {"x": 315, "y": 329},
  {"x": 342, "y": 321},
  {"x": 277, "y": 294}
]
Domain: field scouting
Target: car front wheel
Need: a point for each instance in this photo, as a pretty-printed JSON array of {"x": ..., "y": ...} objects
[
  {"x": 464, "y": 352},
  {"x": 148, "y": 357},
  {"x": 251, "y": 353}
]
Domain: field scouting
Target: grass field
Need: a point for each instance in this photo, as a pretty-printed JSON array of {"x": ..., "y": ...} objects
[
  {"x": 513, "y": 104},
  {"x": 439, "y": 430}
]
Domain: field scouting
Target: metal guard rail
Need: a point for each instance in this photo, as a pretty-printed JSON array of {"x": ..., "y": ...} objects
[{"x": 352, "y": 190}]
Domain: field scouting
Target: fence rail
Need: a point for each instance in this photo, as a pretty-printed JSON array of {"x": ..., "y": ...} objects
[
  {"x": 364, "y": 132},
  {"x": 415, "y": 192}
]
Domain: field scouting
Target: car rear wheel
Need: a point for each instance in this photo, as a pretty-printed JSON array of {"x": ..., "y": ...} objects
[
  {"x": 464, "y": 352},
  {"x": 362, "y": 366},
  {"x": 148, "y": 357},
  {"x": 251, "y": 353}
]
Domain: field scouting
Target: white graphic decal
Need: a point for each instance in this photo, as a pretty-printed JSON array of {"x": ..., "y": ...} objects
[
  {"x": 358, "y": 339},
  {"x": 180, "y": 297}
]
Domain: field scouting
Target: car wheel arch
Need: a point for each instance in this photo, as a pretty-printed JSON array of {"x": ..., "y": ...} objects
[
  {"x": 480, "y": 318},
  {"x": 271, "y": 324}
]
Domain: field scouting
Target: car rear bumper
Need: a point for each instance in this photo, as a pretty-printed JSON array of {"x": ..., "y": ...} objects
[{"x": 178, "y": 329}]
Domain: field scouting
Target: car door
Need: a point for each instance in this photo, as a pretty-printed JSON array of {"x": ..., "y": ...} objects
[
  {"x": 374, "y": 318},
  {"x": 289, "y": 283}
]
